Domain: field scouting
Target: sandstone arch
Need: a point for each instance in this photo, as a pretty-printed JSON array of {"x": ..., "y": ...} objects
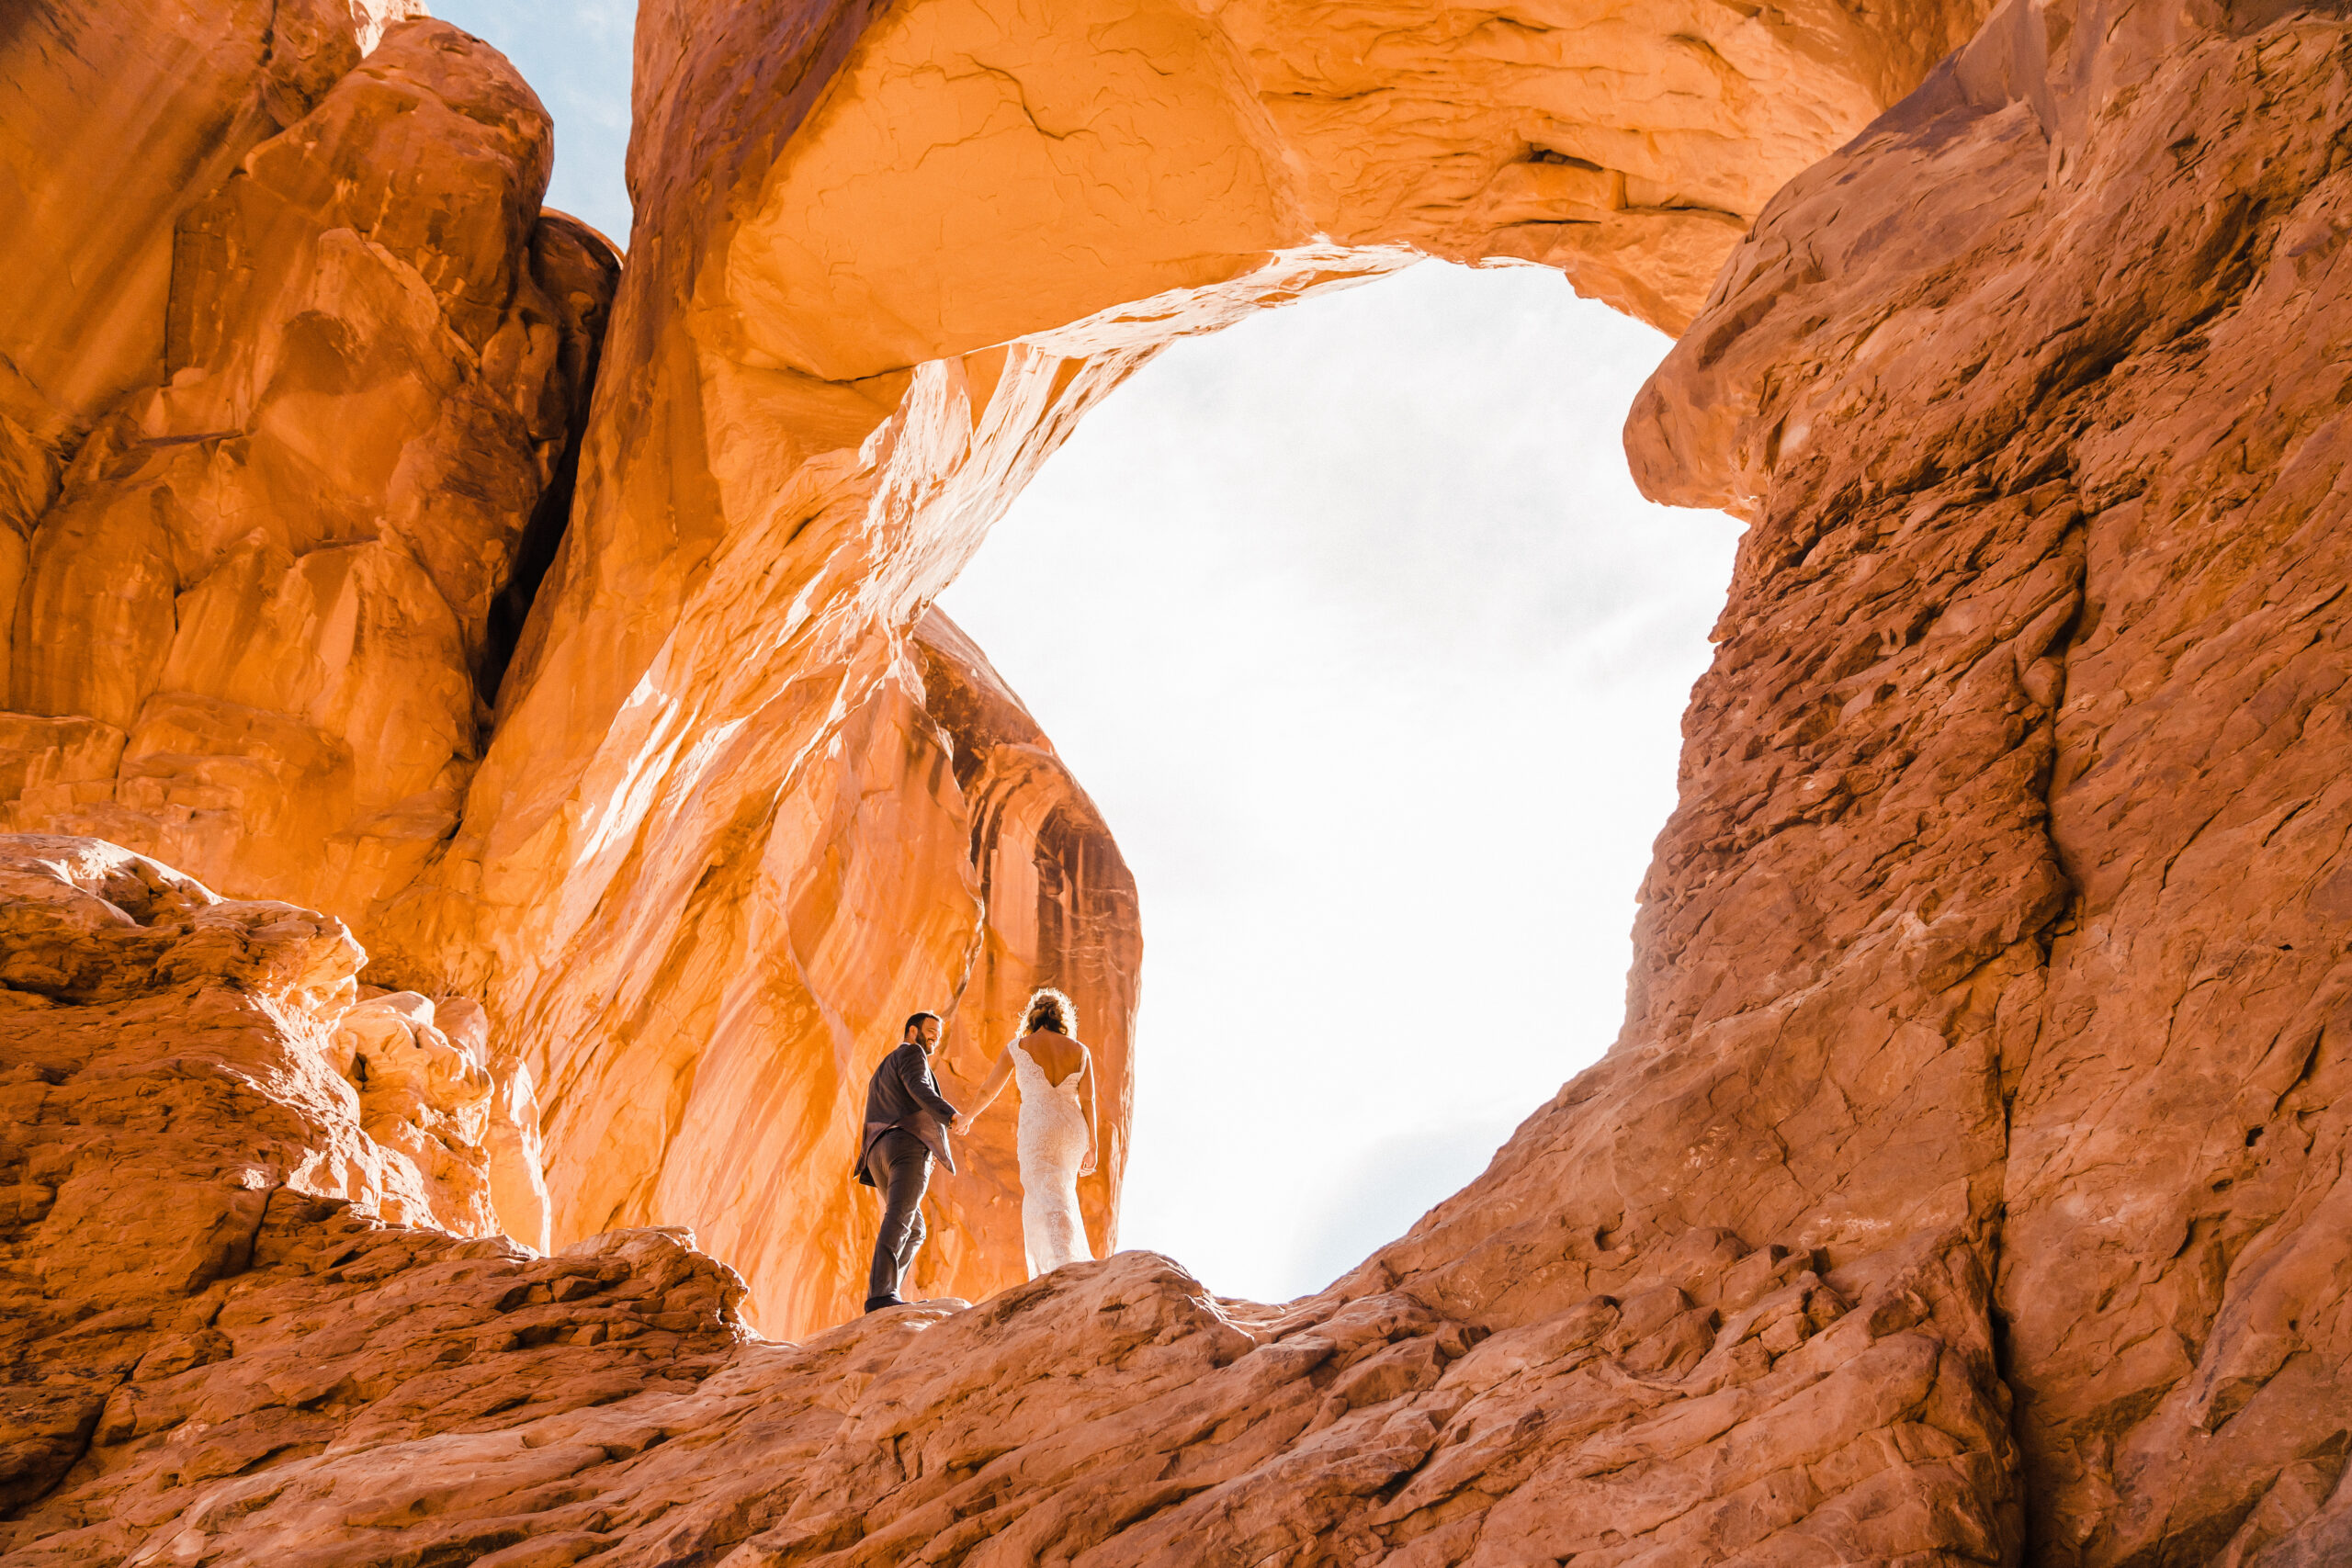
[
  {"x": 882, "y": 265},
  {"x": 1967, "y": 1185},
  {"x": 885, "y": 258}
]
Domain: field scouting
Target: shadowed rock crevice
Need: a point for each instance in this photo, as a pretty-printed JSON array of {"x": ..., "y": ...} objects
[{"x": 579, "y": 270}]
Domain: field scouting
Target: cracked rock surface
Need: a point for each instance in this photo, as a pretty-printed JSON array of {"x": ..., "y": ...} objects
[{"x": 2035, "y": 669}]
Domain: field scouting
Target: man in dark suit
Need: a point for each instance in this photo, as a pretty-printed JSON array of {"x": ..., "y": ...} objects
[{"x": 906, "y": 1124}]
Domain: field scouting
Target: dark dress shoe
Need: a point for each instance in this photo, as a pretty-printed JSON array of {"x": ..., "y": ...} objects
[{"x": 875, "y": 1304}]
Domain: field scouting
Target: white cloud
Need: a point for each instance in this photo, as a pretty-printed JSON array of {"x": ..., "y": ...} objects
[{"x": 1383, "y": 666}]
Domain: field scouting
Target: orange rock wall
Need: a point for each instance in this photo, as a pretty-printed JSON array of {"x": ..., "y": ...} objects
[
  {"x": 884, "y": 260},
  {"x": 721, "y": 1011},
  {"x": 2026, "y": 742},
  {"x": 683, "y": 820},
  {"x": 281, "y": 502},
  {"x": 283, "y": 1378},
  {"x": 1061, "y": 911},
  {"x": 273, "y": 465},
  {"x": 1965, "y": 1188}
]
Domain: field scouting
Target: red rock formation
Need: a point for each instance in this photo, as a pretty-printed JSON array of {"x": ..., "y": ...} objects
[
  {"x": 707, "y": 1053},
  {"x": 274, "y": 464},
  {"x": 338, "y": 422},
  {"x": 1060, "y": 911},
  {"x": 886, "y": 257},
  {"x": 1966, "y": 1187},
  {"x": 288, "y": 1380},
  {"x": 193, "y": 1286},
  {"x": 2028, "y": 717}
]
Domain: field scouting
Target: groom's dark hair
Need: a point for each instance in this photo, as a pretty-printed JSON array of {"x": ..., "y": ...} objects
[{"x": 913, "y": 1018}]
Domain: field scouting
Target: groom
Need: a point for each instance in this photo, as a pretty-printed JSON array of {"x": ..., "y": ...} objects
[{"x": 906, "y": 1124}]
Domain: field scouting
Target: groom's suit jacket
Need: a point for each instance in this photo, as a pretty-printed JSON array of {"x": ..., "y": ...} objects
[{"x": 903, "y": 1094}]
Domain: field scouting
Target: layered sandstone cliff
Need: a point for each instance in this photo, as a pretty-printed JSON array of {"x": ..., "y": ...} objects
[
  {"x": 282, "y": 1376},
  {"x": 274, "y": 478},
  {"x": 333, "y": 586},
  {"x": 2035, "y": 392}
]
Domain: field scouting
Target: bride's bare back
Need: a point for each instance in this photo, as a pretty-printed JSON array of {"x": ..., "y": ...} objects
[
  {"x": 1057, "y": 1054},
  {"x": 1059, "y": 1057}
]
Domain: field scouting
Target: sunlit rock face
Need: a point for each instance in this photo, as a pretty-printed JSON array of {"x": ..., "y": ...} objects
[
  {"x": 283, "y": 483},
  {"x": 1966, "y": 1187},
  {"x": 292, "y": 367},
  {"x": 884, "y": 259},
  {"x": 1060, "y": 907},
  {"x": 721, "y": 1008},
  {"x": 2020, "y": 774}
]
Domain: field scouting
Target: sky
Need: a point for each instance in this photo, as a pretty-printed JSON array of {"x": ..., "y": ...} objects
[
  {"x": 575, "y": 56},
  {"x": 1384, "y": 672}
]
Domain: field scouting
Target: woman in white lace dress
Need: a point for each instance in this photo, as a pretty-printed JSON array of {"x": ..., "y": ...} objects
[{"x": 1057, "y": 1137}]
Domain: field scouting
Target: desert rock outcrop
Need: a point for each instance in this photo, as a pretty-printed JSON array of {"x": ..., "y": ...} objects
[
  {"x": 1967, "y": 1187},
  {"x": 274, "y": 480},
  {"x": 884, "y": 257},
  {"x": 286, "y": 488},
  {"x": 202, "y": 1274},
  {"x": 2035, "y": 669},
  {"x": 288, "y": 1378},
  {"x": 281, "y": 491}
]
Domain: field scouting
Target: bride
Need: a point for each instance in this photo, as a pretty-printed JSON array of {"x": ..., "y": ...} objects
[{"x": 1057, "y": 1138}]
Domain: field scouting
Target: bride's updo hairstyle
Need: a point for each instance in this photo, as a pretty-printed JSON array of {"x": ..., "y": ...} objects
[{"x": 1050, "y": 1010}]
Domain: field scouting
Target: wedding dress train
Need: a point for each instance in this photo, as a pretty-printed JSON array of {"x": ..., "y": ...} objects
[{"x": 1053, "y": 1145}]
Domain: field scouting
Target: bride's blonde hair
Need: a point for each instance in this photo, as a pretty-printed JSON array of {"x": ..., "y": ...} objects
[{"x": 1048, "y": 1009}]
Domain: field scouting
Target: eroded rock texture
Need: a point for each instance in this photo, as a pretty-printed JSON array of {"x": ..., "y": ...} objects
[
  {"x": 285, "y": 488},
  {"x": 88, "y": 927},
  {"x": 282, "y": 1376},
  {"x": 2029, "y": 720},
  {"x": 199, "y": 1274},
  {"x": 272, "y": 460},
  {"x": 884, "y": 258},
  {"x": 705, "y": 1043},
  {"x": 1967, "y": 1187}
]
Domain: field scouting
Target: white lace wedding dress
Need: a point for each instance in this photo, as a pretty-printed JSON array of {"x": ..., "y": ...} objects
[{"x": 1053, "y": 1145}]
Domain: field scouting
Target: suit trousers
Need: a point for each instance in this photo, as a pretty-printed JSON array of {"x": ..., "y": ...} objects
[{"x": 900, "y": 1167}]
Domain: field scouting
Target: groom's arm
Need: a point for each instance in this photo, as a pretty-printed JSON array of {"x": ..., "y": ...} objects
[{"x": 914, "y": 1072}]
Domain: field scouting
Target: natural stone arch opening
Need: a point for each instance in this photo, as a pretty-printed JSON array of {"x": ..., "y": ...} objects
[
  {"x": 1991, "y": 990},
  {"x": 1375, "y": 666},
  {"x": 883, "y": 261},
  {"x": 726, "y": 772}
]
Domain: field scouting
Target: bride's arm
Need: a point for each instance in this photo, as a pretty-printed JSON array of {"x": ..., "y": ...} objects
[
  {"x": 1093, "y": 1140},
  {"x": 989, "y": 1090}
]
